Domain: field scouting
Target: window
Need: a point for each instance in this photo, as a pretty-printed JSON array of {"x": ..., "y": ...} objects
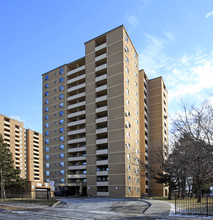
[
  {"x": 137, "y": 189},
  {"x": 126, "y": 38},
  {"x": 136, "y": 141},
  {"x": 47, "y": 157},
  {"x": 46, "y": 101},
  {"x": 47, "y": 125},
  {"x": 47, "y": 173},
  {"x": 62, "y": 172},
  {"x": 47, "y": 141},
  {"x": 61, "y": 70},
  {"x": 61, "y": 96},
  {"x": 136, "y": 121},
  {"x": 61, "y": 104},
  {"x": 136, "y": 84},
  {"x": 61, "y": 138},
  {"x": 61, "y": 147},
  {"x": 136, "y": 131},
  {"x": 128, "y": 134},
  {"x": 128, "y": 125},
  {"x": 127, "y": 59},
  {"x": 135, "y": 65},
  {"x": 46, "y": 77},
  {"x": 47, "y": 180},
  {"x": 62, "y": 181},
  {"x": 127, "y": 91},
  {"x": 61, "y": 79},
  {"x": 61, "y": 88},
  {"x": 46, "y": 133},
  {"x": 128, "y": 178},
  {"x": 136, "y": 103},
  {"x": 128, "y": 167},
  {"x": 62, "y": 164},
  {"x": 127, "y": 81},
  {"x": 126, "y": 49},
  {"x": 47, "y": 149},
  {"x": 129, "y": 189},
  {"x": 46, "y": 109},
  {"x": 61, "y": 113},
  {"x": 46, "y": 93},
  {"x": 127, "y": 113},
  {"x": 46, "y": 85},
  {"x": 127, "y": 101},
  {"x": 84, "y": 172},
  {"x": 61, "y": 130},
  {"x": 47, "y": 165},
  {"x": 136, "y": 75},
  {"x": 128, "y": 145},
  {"x": 61, "y": 155},
  {"x": 136, "y": 93},
  {"x": 127, "y": 70},
  {"x": 61, "y": 122}
]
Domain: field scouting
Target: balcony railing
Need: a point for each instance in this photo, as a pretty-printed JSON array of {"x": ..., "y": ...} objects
[
  {"x": 77, "y": 140},
  {"x": 76, "y": 70},
  {"x": 76, "y": 79},
  {"x": 76, "y": 96},
  {"x": 100, "y": 47},
  {"x": 80, "y": 158},
  {"x": 78, "y": 122},
  {"x": 76, "y": 149}
]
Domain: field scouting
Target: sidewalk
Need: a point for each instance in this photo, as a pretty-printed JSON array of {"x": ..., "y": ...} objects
[{"x": 161, "y": 210}]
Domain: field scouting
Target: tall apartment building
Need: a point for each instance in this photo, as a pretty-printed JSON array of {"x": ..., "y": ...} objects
[
  {"x": 26, "y": 148},
  {"x": 96, "y": 120}
]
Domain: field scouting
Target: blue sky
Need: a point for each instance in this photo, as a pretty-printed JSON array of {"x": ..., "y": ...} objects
[{"x": 173, "y": 38}]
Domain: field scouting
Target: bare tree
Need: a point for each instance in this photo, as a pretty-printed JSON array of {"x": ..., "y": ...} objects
[{"x": 193, "y": 130}]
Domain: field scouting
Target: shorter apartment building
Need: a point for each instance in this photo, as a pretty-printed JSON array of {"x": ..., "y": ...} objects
[{"x": 27, "y": 151}]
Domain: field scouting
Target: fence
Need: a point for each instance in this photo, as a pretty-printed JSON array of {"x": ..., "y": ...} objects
[
  {"x": 190, "y": 206},
  {"x": 22, "y": 194}
]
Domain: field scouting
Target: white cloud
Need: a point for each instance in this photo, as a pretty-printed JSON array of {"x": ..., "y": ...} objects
[
  {"x": 189, "y": 75},
  {"x": 17, "y": 118},
  {"x": 132, "y": 20},
  {"x": 209, "y": 14},
  {"x": 170, "y": 35}
]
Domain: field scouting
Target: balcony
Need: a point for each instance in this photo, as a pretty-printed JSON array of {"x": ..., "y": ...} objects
[
  {"x": 101, "y": 67},
  {"x": 102, "y": 193},
  {"x": 76, "y": 70},
  {"x": 101, "y": 152},
  {"x": 101, "y": 88},
  {"x": 100, "y": 47},
  {"x": 102, "y": 173},
  {"x": 100, "y": 120},
  {"x": 99, "y": 78},
  {"x": 76, "y": 114},
  {"x": 76, "y": 149},
  {"x": 76, "y": 79},
  {"x": 101, "y": 109},
  {"x": 101, "y": 98},
  {"x": 73, "y": 88},
  {"x": 77, "y": 140},
  {"x": 77, "y": 176},
  {"x": 78, "y": 167},
  {"x": 102, "y": 141},
  {"x": 79, "y": 131},
  {"x": 76, "y": 105},
  {"x": 80, "y": 158},
  {"x": 76, "y": 96},
  {"x": 101, "y": 130},
  {"x": 100, "y": 57},
  {"x": 78, "y": 122},
  {"x": 102, "y": 184},
  {"x": 101, "y": 162}
]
